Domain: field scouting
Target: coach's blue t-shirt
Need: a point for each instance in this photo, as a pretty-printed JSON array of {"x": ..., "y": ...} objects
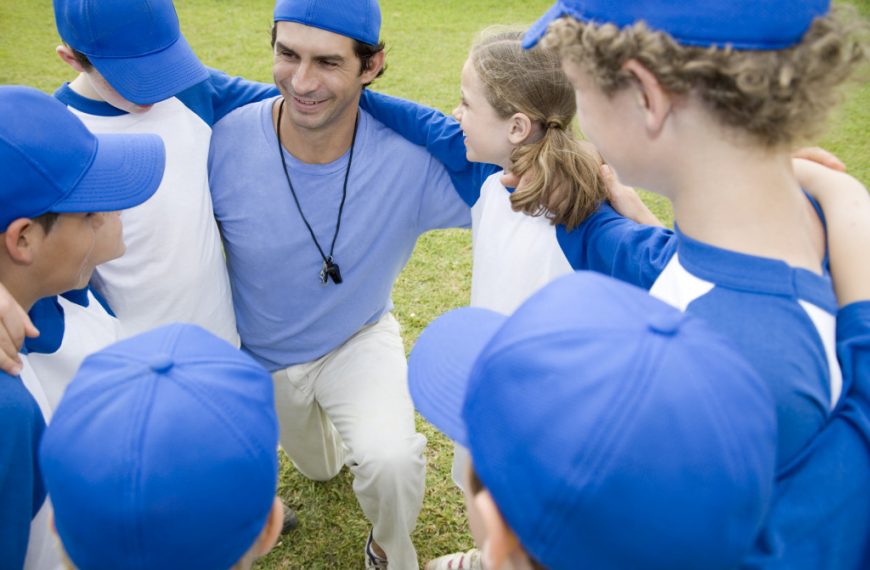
[
  {"x": 395, "y": 192},
  {"x": 21, "y": 489}
]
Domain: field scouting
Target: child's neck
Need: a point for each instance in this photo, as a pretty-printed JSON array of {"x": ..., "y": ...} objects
[
  {"x": 82, "y": 86},
  {"x": 746, "y": 199},
  {"x": 20, "y": 290}
]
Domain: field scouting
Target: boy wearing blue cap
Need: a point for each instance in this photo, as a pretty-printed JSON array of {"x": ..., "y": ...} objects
[
  {"x": 730, "y": 89},
  {"x": 58, "y": 177},
  {"x": 606, "y": 428},
  {"x": 137, "y": 73},
  {"x": 162, "y": 454}
]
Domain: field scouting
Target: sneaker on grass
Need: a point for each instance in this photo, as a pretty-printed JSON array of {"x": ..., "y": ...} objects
[
  {"x": 471, "y": 560},
  {"x": 373, "y": 561}
]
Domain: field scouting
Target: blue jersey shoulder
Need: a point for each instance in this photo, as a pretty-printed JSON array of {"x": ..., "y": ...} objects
[
  {"x": 21, "y": 490},
  {"x": 213, "y": 98}
]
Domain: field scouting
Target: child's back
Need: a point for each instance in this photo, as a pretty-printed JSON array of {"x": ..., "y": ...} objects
[{"x": 711, "y": 127}]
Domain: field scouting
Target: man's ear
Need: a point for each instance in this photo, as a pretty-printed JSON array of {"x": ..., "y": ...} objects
[
  {"x": 376, "y": 63},
  {"x": 502, "y": 544},
  {"x": 519, "y": 128},
  {"x": 269, "y": 537},
  {"x": 65, "y": 54},
  {"x": 21, "y": 240},
  {"x": 654, "y": 100}
]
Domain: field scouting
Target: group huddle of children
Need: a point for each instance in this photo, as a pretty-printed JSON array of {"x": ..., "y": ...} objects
[{"x": 621, "y": 395}]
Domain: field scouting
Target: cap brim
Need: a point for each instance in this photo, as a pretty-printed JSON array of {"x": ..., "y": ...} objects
[
  {"x": 151, "y": 78},
  {"x": 441, "y": 362},
  {"x": 126, "y": 171},
  {"x": 539, "y": 28}
]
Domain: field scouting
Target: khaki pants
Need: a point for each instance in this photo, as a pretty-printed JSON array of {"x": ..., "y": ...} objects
[{"x": 352, "y": 407}]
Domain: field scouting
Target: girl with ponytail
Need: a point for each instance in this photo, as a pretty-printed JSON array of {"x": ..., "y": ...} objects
[
  {"x": 516, "y": 112},
  {"x": 527, "y": 92}
]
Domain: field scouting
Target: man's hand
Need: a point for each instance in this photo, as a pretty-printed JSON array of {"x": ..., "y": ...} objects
[
  {"x": 14, "y": 326},
  {"x": 820, "y": 156}
]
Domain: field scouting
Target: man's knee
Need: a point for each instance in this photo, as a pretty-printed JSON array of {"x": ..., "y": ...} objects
[{"x": 391, "y": 458}]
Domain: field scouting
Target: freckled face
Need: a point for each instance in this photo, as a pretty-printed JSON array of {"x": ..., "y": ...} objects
[{"x": 610, "y": 123}]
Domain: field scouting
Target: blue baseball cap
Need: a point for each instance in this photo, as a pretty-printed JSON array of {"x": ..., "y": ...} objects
[
  {"x": 742, "y": 24},
  {"x": 357, "y": 19},
  {"x": 51, "y": 162},
  {"x": 136, "y": 45},
  {"x": 612, "y": 430},
  {"x": 163, "y": 454}
]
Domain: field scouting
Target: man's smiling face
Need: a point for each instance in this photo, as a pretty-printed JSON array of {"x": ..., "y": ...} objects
[{"x": 318, "y": 74}]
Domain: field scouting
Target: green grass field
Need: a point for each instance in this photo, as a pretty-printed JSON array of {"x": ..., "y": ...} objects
[{"x": 427, "y": 43}]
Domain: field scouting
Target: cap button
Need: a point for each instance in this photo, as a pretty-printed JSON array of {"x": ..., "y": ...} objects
[
  {"x": 161, "y": 363},
  {"x": 665, "y": 323}
]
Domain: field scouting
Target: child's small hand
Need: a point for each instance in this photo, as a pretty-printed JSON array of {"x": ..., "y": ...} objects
[
  {"x": 626, "y": 200},
  {"x": 14, "y": 326}
]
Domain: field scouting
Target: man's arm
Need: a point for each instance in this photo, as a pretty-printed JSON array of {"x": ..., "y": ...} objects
[
  {"x": 437, "y": 133},
  {"x": 220, "y": 94}
]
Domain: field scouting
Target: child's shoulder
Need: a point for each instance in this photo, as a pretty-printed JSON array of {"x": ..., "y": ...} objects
[{"x": 19, "y": 412}]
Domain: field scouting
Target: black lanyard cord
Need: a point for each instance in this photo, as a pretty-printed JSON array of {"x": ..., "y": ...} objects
[{"x": 330, "y": 268}]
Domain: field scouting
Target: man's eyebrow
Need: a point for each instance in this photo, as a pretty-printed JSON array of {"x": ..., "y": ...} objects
[{"x": 335, "y": 58}]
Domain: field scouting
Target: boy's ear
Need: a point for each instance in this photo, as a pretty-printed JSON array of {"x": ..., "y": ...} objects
[
  {"x": 21, "y": 239},
  {"x": 65, "y": 54},
  {"x": 654, "y": 100},
  {"x": 269, "y": 537},
  {"x": 502, "y": 544},
  {"x": 520, "y": 128}
]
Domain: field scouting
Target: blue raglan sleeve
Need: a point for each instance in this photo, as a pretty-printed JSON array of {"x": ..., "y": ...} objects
[
  {"x": 820, "y": 517},
  {"x": 220, "y": 94},
  {"x": 21, "y": 489},
  {"x": 611, "y": 244},
  {"x": 435, "y": 131}
]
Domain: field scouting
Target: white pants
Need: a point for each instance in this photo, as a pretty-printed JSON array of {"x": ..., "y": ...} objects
[{"x": 352, "y": 407}]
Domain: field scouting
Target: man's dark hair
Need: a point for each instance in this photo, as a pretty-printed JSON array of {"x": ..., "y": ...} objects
[
  {"x": 47, "y": 221},
  {"x": 81, "y": 58},
  {"x": 365, "y": 52}
]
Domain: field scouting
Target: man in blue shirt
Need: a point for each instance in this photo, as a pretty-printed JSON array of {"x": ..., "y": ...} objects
[{"x": 319, "y": 207}]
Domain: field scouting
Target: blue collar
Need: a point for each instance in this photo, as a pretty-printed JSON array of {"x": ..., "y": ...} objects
[
  {"x": 90, "y": 106},
  {"x": 48, "y": 316},
  {"x": 756, "y": 274}
]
